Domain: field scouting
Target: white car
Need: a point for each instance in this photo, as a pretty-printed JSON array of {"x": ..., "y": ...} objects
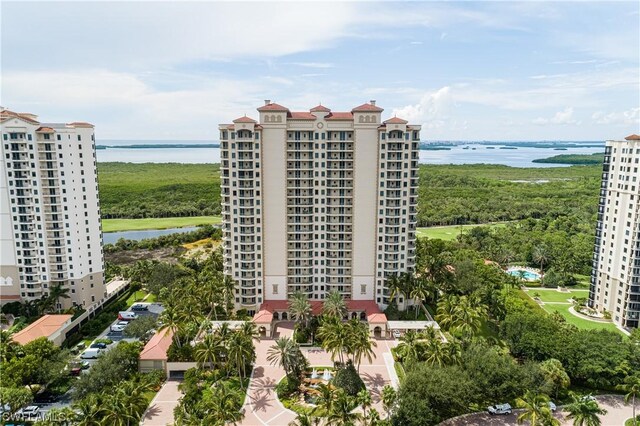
[
  {"x": 499, "y": 409},
  {"x": 396, "y": 334},
  {"x": 552, "y": 406},
  {"x": 118, "y": 328},
  {"x": 29, "y": 412}
]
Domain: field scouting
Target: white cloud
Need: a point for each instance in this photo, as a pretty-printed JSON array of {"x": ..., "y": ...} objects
[
  {"x": 432, "y": 109},
  {"x": 629, "y": 117},
  {"x": 563, "y": 117},
  {"x": 314, "y": 64}
]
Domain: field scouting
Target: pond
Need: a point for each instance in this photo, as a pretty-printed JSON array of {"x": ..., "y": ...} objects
[{"x": 113, "y": 237}]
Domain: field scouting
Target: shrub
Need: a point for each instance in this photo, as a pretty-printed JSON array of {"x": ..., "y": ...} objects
[
  {"x": 183, "y": 353},
  {"x": 347, "y": 378},
  {"x": 287, "y": 386}
]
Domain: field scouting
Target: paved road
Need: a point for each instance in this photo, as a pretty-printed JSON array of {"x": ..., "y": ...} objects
[{"x": 617, "y": 413}]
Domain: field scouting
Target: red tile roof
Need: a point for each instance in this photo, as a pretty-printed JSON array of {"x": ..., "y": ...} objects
[
  {"x": 633, "y": 137},
  {"x": 157, "y": 347},
  {"x": 44, "y": 327},
  {"x": 367, "y": 107},
  {"x": 45, "y": 130},
  {"x": 301, "y": 116},
  {"x": 319, "y": 108},
  {"x": 395, "y": 120},
  {"x": 339, "y": 116},
  {"x": 80, "y": 124},
  {"x": 369, "y": 307},
  {"x": 273, "y": 107},
  {"x": 6, "y": 115},
  {"x": 244, "y": 119}
]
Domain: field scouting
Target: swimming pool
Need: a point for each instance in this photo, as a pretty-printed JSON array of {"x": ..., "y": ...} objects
[{"x": 527, "y": 275}]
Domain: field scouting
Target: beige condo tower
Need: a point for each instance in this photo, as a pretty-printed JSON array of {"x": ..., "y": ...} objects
[{"x": 318, "y": 201}]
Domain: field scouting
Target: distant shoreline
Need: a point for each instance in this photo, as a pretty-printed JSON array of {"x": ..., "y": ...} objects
[{"x": 573, "y": 159}]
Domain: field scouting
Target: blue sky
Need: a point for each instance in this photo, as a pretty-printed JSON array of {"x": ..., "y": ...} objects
[{"x": 464, "y": 70}]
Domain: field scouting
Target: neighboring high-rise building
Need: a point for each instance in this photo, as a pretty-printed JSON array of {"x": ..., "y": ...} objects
[
  {"x": 615, "y": 280},
  {"x": 50, "y": 230},
  {"x": 318, "y": 201}
]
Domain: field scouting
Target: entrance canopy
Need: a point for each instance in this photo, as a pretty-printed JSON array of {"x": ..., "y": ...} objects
[{"x": 369, "y": 308}]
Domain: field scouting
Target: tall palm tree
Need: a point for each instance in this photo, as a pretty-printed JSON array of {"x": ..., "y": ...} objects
[
  {"x": 241, "y": 352},
  {"x": 57, "y": 292},
  {"x": 395, "y": 286},
  {"x": 631, "y": 387},
  {"x": 334, "y": 305},
  {"x": 302, "y": 420},
  {"x": 536, "y": 410},
  {"x": 361, "y": 345},
  {"x": 342, "y": 413},
  {"x": 389, "y": 397},
  {"x": 88, "y": 410},
  {"x": 335, "y": 337},
  {"x": 419, "y": 292},
  {"x": 540, "y": 255},
  {"x": 300, "y": 308},
  {"x": 208, "y": 351},
  {"x": 364, "y": 400},
  {"x": 171, "y": 321},
  {"x": 585, "y": 412},
  {"x": 436, "y": 353},
  {"x": 250, "y": 330},
  {"x": 326, "y": 396},
  {"x": 223, "y": 406},
  {"x": 408, "y": 347},
  {"x": 283, "y": 353}
]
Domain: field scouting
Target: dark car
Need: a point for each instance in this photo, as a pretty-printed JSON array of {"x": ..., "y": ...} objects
[
  {"x": 45, "y": 398},
  {"x": 99, "y": 345},
  {"x": 139, "y": 308},
  {"x": 75, "y": 371}
]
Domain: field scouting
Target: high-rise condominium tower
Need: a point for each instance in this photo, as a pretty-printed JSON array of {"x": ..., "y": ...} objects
[
  {"x": 615, "y": 280},
  {"x": 50, "y": 231},
  {"x": 318, "y": 201}
]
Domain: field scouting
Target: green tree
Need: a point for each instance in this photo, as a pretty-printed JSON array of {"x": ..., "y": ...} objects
[
  {"x": 334, "y": 305},
  {"x": 57, "y": 292},
  {"x": 140, "y": 327},
  {"x": 419, "y": 292},
  {"x": 556, "y": 378},
  {"x": 241, "y": 352},
  {"x": 15, "y": 398},
  {"x": 209, "y": 350},
  {"x": 342, "y": 413},
  {"x": 535, "y": 410},
  {"x": 364, "y": 400},
  {"x": 300, "y": 308},
  {"x": 585, "y": 412},
  {"x": 389, "y": 398},
  {"x": 541, "y": 256},
  {"x": 631, "y": 388}
]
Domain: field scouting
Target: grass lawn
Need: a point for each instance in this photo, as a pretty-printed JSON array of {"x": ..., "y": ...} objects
[
  {"x": 551, "y": 295},
  {"x": 449, "y": 232},
  {"x": 115, "y": 225},
  {"x": 137, "y": 296},
  {"x": 579, "y": 322}
]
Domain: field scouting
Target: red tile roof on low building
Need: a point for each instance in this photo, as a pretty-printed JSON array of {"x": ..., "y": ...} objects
[
  {"x": 244, "y": 119},
  {"x": 9, "y": 297},
  {"x": 633, "y": 137},
  {"x": 273, "y": 107},
  {"x": 44, "y": 327},
  {"x": 7, "y": 114},
  {"x": 80, "y": 124},
  {"x": 339, "y": 116},
  {"x": 369, "y": 307},
  {"x": 301, "y": 116},
  {"x": 395, "y": 120},
  {"x": 156, "y": 348},
  {"x": 368, "y": 108},
  {"x": 320, "y": 108},
  {"x": 45, "y": 130}
]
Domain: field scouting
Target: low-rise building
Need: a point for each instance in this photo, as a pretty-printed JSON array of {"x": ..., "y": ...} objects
[{"x": 50, "y": 326}]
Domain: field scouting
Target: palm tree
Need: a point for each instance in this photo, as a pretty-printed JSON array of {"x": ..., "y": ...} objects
[
  {"x": 585, "y": 412},
  {"x": 536, "y": 410},
  {"x": 326, "y": 396},
  {"x": 360, "y": 344},
  {"x": 171, "y": 321},
  {"x": 364, "y": 399},
  {"x": 419, "y": 292},
  {"x": 408, "y": 347},
  {"x": 56, "y": 292},
  {"x": 223, "y": 406},
  {"x": 228, "y": 285},
  {"x": 283, "y": 353},
  {"x": 389, "y": 397},
  {"x": 302, "y": 420},
  {"x": 250, "y": 330},
  {"x": 631, "y": 387},
  {"x": 395, "y": 286},
  {"x": 342, "y": 413},
  {"x": 334, "y": 336},
  {"x": 300, "y": 308},
  {"x": 241, "y": 352},
  {"x": 88, "y": 410},
  {"x": 208, "y": 351},
  {"x": 334, "y": 305},
  {"x": 436, "y": 353},
  {"x": 540, "y": 255}
]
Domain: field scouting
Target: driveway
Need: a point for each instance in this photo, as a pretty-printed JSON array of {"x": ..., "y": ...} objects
[
  {"x": 160, "y": 411},
  {"x": 262, "y": 406},
  {"x": 616, "y": 415}
]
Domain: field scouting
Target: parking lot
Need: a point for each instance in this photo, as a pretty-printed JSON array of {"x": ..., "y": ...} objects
[{"x": 153, "y": 309}]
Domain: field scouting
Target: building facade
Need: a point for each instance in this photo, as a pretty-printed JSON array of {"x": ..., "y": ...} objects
[
  {"x": 50, "y": 230},
  {"x": 318, "y": 201},
  {"x": 615, "y": 279}
]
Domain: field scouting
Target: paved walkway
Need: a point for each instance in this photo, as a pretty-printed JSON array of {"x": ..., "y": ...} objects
[
  {"x": 160, "y": 411},
  {"x": 262, "y": 407}
]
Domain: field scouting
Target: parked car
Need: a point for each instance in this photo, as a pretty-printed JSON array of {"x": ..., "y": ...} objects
[
  {"x": 91, "y": 353},
  {"x": 552, "y": 406},
  {"x": 499, "y": 409},
  {"x": 85, "y": 365},
  {"x": 396, "y": 334},
  {"x": 78, "y": 348},
  {"x": 589, "y": 397},
  {"x": 127, "y": 316},
  {"x": 29, "y": 412},
  {"x": 75, "y": 371},
  {"x": 139, "y": 307},
  {"x": 98, "y": 345},
  {"x": 118, "y": 328}
]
